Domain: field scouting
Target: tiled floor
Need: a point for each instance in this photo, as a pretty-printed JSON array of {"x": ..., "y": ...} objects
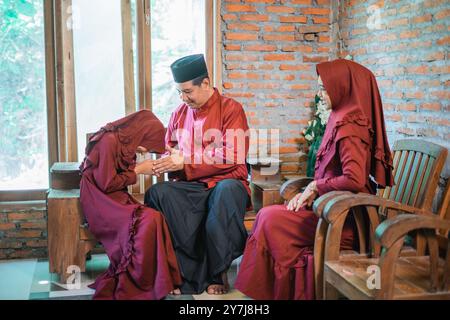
[{"x": 31, "y": 280}]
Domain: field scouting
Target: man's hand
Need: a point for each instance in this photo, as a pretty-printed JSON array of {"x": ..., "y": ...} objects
[
  {"x": 144, "y": 167},
  {"x": 170, "y": 163},
  {"x": 306, "y": 198}
]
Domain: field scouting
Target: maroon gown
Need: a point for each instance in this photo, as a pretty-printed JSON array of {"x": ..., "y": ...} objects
[
  {"x": 278, "y": 258},
  {"x": 136, "y": 238}
]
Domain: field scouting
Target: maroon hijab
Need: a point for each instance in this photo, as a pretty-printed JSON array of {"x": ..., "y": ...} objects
[
  {"x": 357, "y": 110},
  {"x": 141, "y": 128}
]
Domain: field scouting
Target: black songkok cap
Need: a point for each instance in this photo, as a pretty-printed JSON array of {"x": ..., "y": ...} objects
[{"x": 189, "y": 68}]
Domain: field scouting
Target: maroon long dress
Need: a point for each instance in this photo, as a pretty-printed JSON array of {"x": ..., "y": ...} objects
[
  {"x": 278, "y": 258},
  {"x": 136, "y": 238}
]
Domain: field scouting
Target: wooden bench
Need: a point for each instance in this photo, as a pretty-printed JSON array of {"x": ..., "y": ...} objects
[{"x": 69, "y": 240}]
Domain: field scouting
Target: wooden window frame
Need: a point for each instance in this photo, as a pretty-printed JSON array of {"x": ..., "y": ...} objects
[{"x": 60, "y": 81}]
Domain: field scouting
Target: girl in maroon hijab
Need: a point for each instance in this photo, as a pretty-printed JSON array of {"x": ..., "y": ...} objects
[
  {"x": 136, "y": 238},
  {"x": 277, "y": 261}
]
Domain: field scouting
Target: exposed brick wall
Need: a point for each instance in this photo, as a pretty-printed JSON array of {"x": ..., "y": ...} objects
[
  {"x": 23, "y": 230},
  {"x": 270, "y": 51},
  {"x": 408, "y": 52}
]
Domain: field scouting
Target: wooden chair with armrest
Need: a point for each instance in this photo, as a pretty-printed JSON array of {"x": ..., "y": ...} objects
[
  {"x": 417, "y": 166},
  {"x": 396, "y": 277}
]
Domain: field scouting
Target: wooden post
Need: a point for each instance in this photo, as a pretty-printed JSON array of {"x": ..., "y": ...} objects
[
  {"x": 128, "y": 63},
  {"x": 67, "y": 129}
]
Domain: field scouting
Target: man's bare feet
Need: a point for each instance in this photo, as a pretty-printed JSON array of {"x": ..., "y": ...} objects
[
  {"x": 175, "y": 292},
  {"x": 219, "y": 288}
]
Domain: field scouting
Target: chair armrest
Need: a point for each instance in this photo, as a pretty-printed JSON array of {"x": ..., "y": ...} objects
[
  {"x": 291, "y": 187},
  {"x": 391, "y": 230},
  {"x": 340, "y": 205},
  {"x": 320, "y": 203}
]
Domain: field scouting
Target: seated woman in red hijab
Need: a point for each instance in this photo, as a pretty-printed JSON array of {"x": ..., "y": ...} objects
[
  {"x": 136, "y": 238},
  {"x": 277, "y": 261}
]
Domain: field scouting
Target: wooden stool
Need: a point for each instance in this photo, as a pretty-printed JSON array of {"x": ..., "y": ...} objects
[
  {"x": 68, "y": 238},
  {"x": 265, "y": 188}
]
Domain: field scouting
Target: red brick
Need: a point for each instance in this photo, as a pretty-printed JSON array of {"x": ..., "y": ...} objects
[
  {"x": 315, "y": 11},
  {"x": 261, "y": 1},
  {"x": 33, "y": 225},
  {"x": 405, "y": 83},
  {"x": 431, "y": 106},
  {"x": 442, "y": 14},
  {"x": 24, "y": 234},
  {"x": 241, "y": 36},
  {"x": 240, "y": 8},
  {"x": 293, "y": 19},
  {"x": 418, "y": 70},
  {"x": 288, "y": 149},
  {"x": 241, "y": 57},
  {"x": 414, "y": 95},
  {"x": 25, "y": 216},
  {"x": 279, "y": 37},
  {"x": 443, "y": 41},
  {"x": 10, "y": 244},
  {"x": 301, "y": 1},
  {"x": 424, "y": 18},
  {"x": 227, "y": 85},
  {"x": 301, "y": 87},
  {"x": 313, "y": 29},
  {"x": 297, "y": 48},
  {"x": 237, "y": 75},
  {"x": 7, "y": 226},
  {"x": 279, "y": 57},
  {"x": 260, "y": 47},
  {"x": 324, "y": 39},
  {"x": 407, "y": 107},
  {"x": 232, "y": 47},
  {"x": 254, "y": 85},
  {"x": 314, "y": 59},
  {"x": 280, "y": 9},
  {"x": 286, "y": 28},
  {"x": 266, "y": 67},
  {"x": 229, "y": 17},
  {"x": 409, "y": 34},
  {"x": 36, "y": 243},
  {"x": 295, "y": 67},
  {"x": 254, "y": 17},
  {"x": 243, "y": 26},
  {"x": 318, "y": 20}
]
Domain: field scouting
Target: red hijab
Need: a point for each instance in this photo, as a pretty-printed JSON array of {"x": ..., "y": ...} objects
[
  {"x": 357, "y": 110},
  {"x": 141, "y": 128}
]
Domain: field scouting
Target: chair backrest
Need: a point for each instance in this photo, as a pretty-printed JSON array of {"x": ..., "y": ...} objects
[{"x": 417, "y": 166}]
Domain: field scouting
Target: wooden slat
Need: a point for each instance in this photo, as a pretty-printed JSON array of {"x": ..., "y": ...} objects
[
  {"x": 405, "y": 177},
  {"x": 425, "y": 184},
  {"x": 418, "y": 181},
  {"x": 412, "y": 178},
  {"x": 395, "y": 162},
  {"x": 398, "y": 174},
  {"x": 128, "y": 57}
]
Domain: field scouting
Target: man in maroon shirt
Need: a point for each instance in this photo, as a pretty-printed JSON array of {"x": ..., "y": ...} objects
[{"x": 207, "y": 143}]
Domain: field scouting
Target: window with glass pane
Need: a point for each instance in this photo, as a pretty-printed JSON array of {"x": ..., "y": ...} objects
[
  {"x": 98, "y": 59},
  {"x": 23, "y": 112},
  {"x": 178, "y": 29}
]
